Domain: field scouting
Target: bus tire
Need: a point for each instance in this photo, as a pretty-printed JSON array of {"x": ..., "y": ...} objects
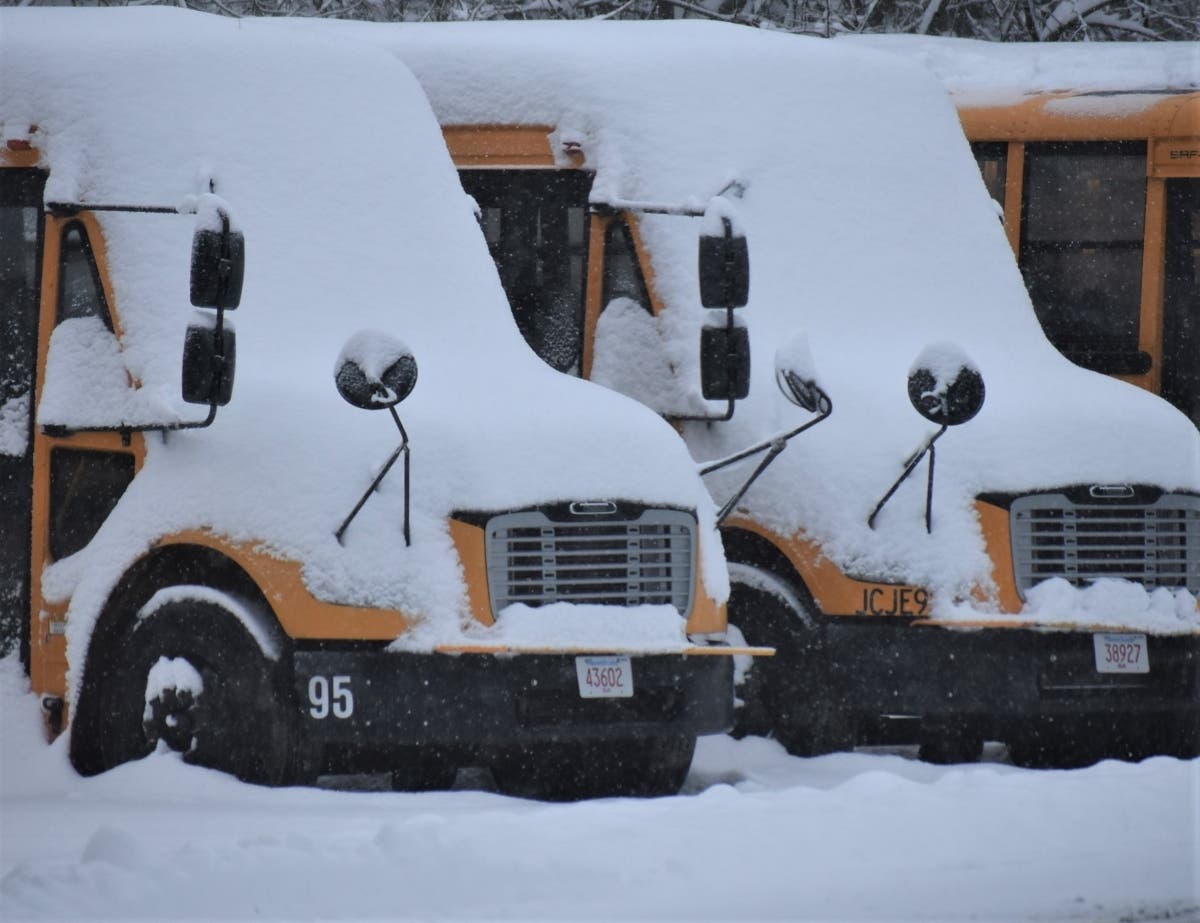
[
  {"x": 233, "y": 719},
  {"x": 787, "y": 696},
  {"x": 423, "y": 769},
  {"x": 947, "y": 743},
  {"x": 1049, "y": 743},
  {"x": 572, "y": 770}
]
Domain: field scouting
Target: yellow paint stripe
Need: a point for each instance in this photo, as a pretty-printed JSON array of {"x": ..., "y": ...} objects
[{"x": 577, "y": 651}]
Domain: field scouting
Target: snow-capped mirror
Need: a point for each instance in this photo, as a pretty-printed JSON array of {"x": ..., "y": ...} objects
[
  {"x": 375, "y": 371},
  {"x": 944, "y": 385},
  {"x": 796, "y": 375}
]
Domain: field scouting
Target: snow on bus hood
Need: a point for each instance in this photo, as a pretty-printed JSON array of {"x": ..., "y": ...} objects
[
  {"x": 353, "y": 219},
  {"x": 869, "y": 228}
]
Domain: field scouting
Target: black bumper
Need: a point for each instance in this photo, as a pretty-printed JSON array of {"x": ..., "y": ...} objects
[
  {"x": 1001, "y": 677},
  {"x": 483, "y": 700}
]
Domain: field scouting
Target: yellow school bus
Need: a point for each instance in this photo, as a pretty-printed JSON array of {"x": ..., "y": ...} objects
[
  {"x": 1093, "y": 154},
  {"x": 581, "y": 147},
  {"x": 1101, "y": 197},
  {"x": 272, "y": 583}
]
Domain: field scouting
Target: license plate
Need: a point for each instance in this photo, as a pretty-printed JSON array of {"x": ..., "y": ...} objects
[
  {"x": 608, "y": 677},
  {"x": 1121, "y": 653}
]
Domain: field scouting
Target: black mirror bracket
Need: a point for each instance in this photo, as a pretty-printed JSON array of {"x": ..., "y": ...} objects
[
  {"x": 402, "y": 449},
  {"x": 772, "y": 446},
  {"x": 931, "y": 450}
]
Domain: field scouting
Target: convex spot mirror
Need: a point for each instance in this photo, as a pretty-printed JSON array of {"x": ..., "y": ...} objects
[
  {"x": 796, "y": 375},
  {"x": 209, "y": 356},
  {"x": 724, "y": 363},
  {"x": 944, "y": 385},
  {"x": 375, "y": 371},
  {"x": 218, "y": 257},
  {"x": 724, "y": 258}
]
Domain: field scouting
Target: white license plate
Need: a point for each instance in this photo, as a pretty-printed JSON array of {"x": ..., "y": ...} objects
[
  {"x": 1121, "y": 653},
  {"x": 609, "y": 677}
]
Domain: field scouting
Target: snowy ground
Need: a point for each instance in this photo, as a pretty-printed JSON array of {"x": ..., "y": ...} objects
[{"x": 756, "y": 835}]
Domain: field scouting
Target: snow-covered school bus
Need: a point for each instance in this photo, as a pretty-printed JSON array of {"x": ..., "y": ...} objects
[
  {"x": 510, "y": 568},
  {"x": 1038, "y": 586},
  {"x": 1093, "y": 152}
]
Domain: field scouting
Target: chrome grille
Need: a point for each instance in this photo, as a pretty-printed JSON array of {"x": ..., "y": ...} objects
[
  {"x": 1155, "y": 544},
  {"x": 534, "y": 560}
]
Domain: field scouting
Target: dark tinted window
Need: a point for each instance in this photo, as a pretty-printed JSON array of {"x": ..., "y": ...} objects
[
  {"x": 622, "y": 272},
  {"x": 1081, "y": 248},
  {"x": 1181, "y": 298},
  {"x": 79, "y": 291},
  {"x": 84, "y": 488},
  {"x": 20, "y": 258},
  {"x": 992, "y": 157},
  {"x": 536, "y": 224}
]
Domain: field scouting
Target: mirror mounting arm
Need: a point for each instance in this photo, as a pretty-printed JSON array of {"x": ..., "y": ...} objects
[
  {"x": 730, "y": 404},
  {"x": 402, "y": 449},
  {"x": 126, "y": 430},
  {"x": 773, "y": 447},
  {"x": 70, "y": 209},
  {"x": 931, "y": 449}
]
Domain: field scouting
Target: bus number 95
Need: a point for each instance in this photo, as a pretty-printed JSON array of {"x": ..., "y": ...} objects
[{"x": 330, "y": 696}]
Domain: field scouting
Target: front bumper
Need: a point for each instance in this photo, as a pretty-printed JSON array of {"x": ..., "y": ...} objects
[
  {"x": 469, "y": 700},
  {"x": 999, "y": 678}
]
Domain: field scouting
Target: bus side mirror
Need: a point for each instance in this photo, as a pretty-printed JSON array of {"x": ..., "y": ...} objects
[
  {"x": 209, "y": 356},
  {"x": 805, "y": 393},
  {"x": 724, "y": 363},
  {"x": 375, "y": 371},
  {"x": 218, "y": 266},
  {"x": 945, "y": 387},
  {"x": 796, "y": 376},
  {"x": 724, "y": 269}
]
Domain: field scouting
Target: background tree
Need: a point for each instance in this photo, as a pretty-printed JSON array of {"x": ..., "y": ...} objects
[{"x": 993, "y": 20}]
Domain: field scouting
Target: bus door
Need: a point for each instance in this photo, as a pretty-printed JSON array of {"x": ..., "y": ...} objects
[
  {"x": 1181, "y": 297},
  {"x": 1081, "y": 252},
  {"x": 21, "y": 229},
  {"x": 79, "y": 475}
]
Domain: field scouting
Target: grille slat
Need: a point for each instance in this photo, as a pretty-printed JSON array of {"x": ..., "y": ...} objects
[
  {"x": 1155, "y": 544},
  {"x": 534, "y": 560}
]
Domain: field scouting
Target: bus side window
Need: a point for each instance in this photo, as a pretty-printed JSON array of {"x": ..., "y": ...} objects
[
  {"x": 1081, "y": 249},
  {"x": 84, "y": 488},
  {"x": 79, "y": 291},
  {"x": 622, "y": 274},
  {"x": 86, "y": 383},
  {"x": 992, "y": 157}
]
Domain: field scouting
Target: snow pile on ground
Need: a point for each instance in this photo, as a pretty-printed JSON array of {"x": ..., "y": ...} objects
[{"x": 758, "y": 835}]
